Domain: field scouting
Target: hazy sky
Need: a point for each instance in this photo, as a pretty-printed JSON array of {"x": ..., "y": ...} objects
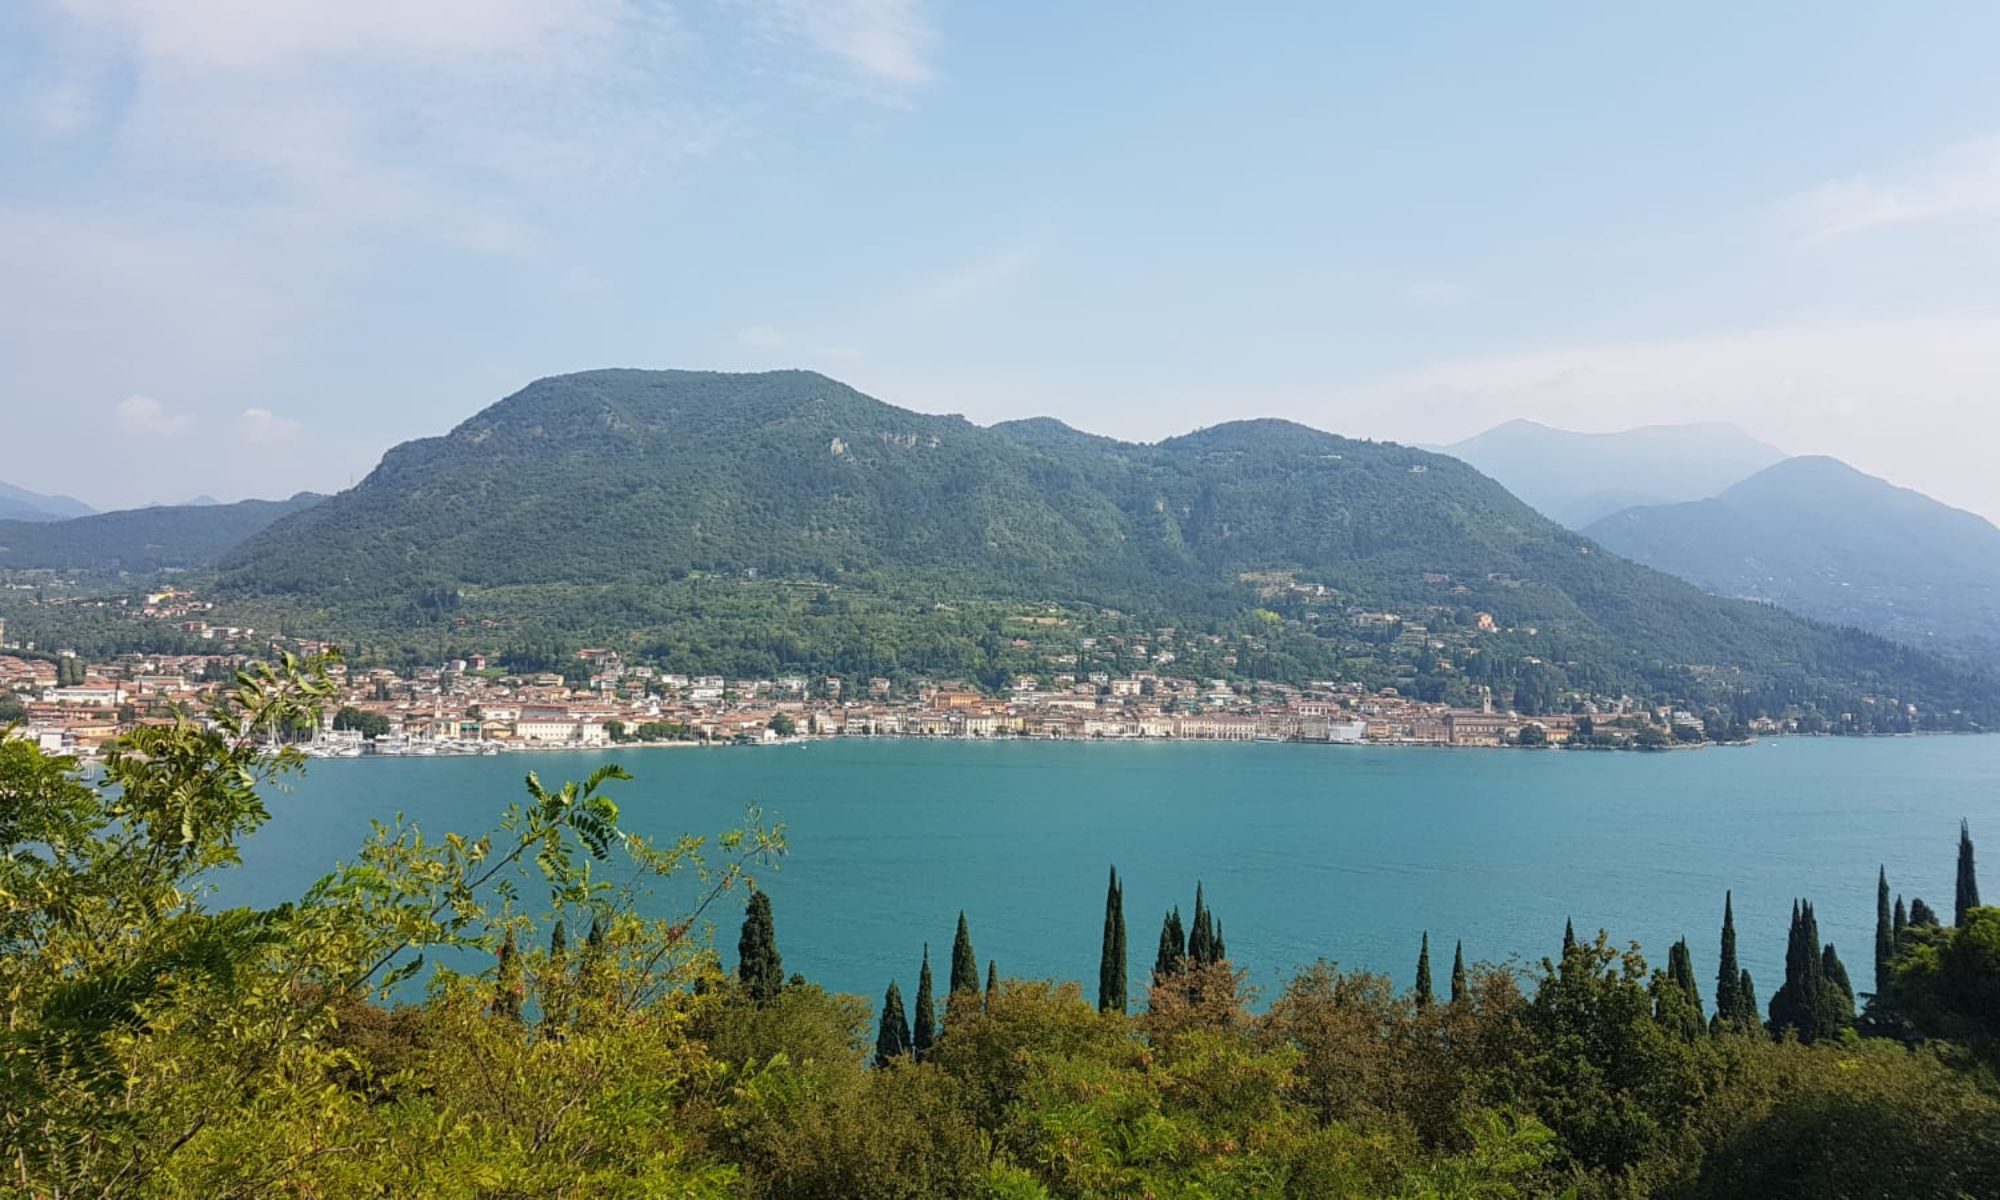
[{"x": 246, "y": 245}]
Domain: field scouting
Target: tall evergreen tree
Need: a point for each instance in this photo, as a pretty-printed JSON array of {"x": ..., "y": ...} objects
[
  {"x": 923, "y": 1032},
  {"x": 1424, "y": 996},
  {"x": 1967, "y": 897},
  {"x": 1458, "y": 973},
  {"x": 1747, "y": 1012},
  {"x": 1569, "y": 936},
  {"x": 1902, "y": 919},
  {"x": 1728, "y": 999},
  {"x": 1201, "y": 934},
  {"x": 757, "y": 963},
  {"x": 992, "y": 983},
  {"x": 1111, "y": 959},
  {"x": 1172, "y": 948},
  {"x": 964, "y": 963},
  {"x": 1680, "y": 969},
  {"x": 1816, "y": 1000},
  {"x": 1885, "y": 931},
  {"x": 1793, "y": 1004},
  {"x": 507, "y": 990},
  {"x": 892, "y": 1036},
  {"x": 1922, "y": 914},
  {"x": 554, "y": 995},
  {"x": 1219, "y": 950},
  {"x": 1841, "y": 988}
]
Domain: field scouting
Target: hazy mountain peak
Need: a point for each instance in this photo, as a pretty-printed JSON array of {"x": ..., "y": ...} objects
[
  {"x": 1815, "y": 535},
  {"x": 1577, "y": 478},
  {"x": 20, "y": 504}
]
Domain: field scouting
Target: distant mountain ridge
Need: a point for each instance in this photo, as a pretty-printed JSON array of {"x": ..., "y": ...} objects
[
  {"x": 1577, "y": 478},
  {"x": 162, "y": 537},
  {"x": 634, "y": 479},
  {"x": 20, "y": 504},
  {"x": 1818, "y": 537}
]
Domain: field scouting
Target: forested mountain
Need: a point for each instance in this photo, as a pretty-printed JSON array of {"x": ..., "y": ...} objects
[
  {"x": 1821, "y": 538},
  {"x": 20, "y": 504},
  {"x": 1577, "y": 478},
  {"x": 141, "y": 539},
  {"x": 643, "y": 484}
]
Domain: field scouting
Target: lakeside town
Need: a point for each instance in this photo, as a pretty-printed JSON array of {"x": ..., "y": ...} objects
[{"x": 466, "y": 706}]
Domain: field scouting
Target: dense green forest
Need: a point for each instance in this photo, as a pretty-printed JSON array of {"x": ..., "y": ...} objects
[
  {"x": 756, "y": 524},
  {"x": 141, "y": 540},
  {"x": 567, "y": 504},
  {"x": 155, "y": 1046}
]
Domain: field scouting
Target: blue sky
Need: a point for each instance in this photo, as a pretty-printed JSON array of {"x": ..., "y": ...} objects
[{"x": 246, "y": 247}]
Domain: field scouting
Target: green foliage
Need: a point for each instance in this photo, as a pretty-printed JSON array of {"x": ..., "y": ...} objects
[
  {"x": 154, "y": 1047},
  {"x": 367, "y": 724}
]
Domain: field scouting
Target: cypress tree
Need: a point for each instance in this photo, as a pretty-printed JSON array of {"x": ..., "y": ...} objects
[
  {"x": 1458, "y": 973},
  {"x": 1220, "y": 950},
  {"x": 1111, "y": 959},
  {"x": 1885, "y": 931},
  {"x": 892, "y": 1037},
  {"x": 923, "y": 1034},
  {"x": 1680, "y": 969},
  {"x": 964, "y": 963},
  {"x": 554, "y": 997},
  {"x": 1728, "y": 997},
  {"x": 1792, "y": 1003},
  {"x": 1172, "y": 949},
  {"x": 593, "y": 942},
  {"x": 1201, "y": 935},
  {"x": 1746, "y": 999},
  {"x": 992, "y": 983},
  {"x": 757, "y": 962},
  {"x": 1569, "y": 936},
  {"x": 507, "y": 980},
  {"x": 1424, "y": 996},
  {"x": 1840, "y": 990},
  {"x": 1902, "y": 919},
  {"x": 1967, "y": 898},
  {"x": 1922, "y": 914}
]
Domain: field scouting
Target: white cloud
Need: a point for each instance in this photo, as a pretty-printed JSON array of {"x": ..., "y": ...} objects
[
  {"x": 1962, "y": 181},
  {"x": 889, "y": 42},
  {"x": 975, "y": 280},
  {"x": 1435, "y": 293},
  {"x": 145, "y": 417},
  {"x": 264, "y": 427}
]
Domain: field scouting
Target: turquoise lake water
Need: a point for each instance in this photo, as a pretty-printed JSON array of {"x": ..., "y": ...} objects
[{"x": 1347, "y": 853}]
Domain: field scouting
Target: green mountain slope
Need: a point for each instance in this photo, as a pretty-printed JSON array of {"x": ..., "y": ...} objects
[
  {"x": 141, "y": 539},
  {"x": 1576, "y": 478},
  {"x": 1818, "y": 537},
  {"x": 636, "y": 480}
]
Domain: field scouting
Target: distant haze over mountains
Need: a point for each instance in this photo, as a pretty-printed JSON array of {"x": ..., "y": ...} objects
[
  {"x": 1818, "y": 537},
  {"x": 1577, "y": 478},
  {"x": 19, "y": 504}
]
